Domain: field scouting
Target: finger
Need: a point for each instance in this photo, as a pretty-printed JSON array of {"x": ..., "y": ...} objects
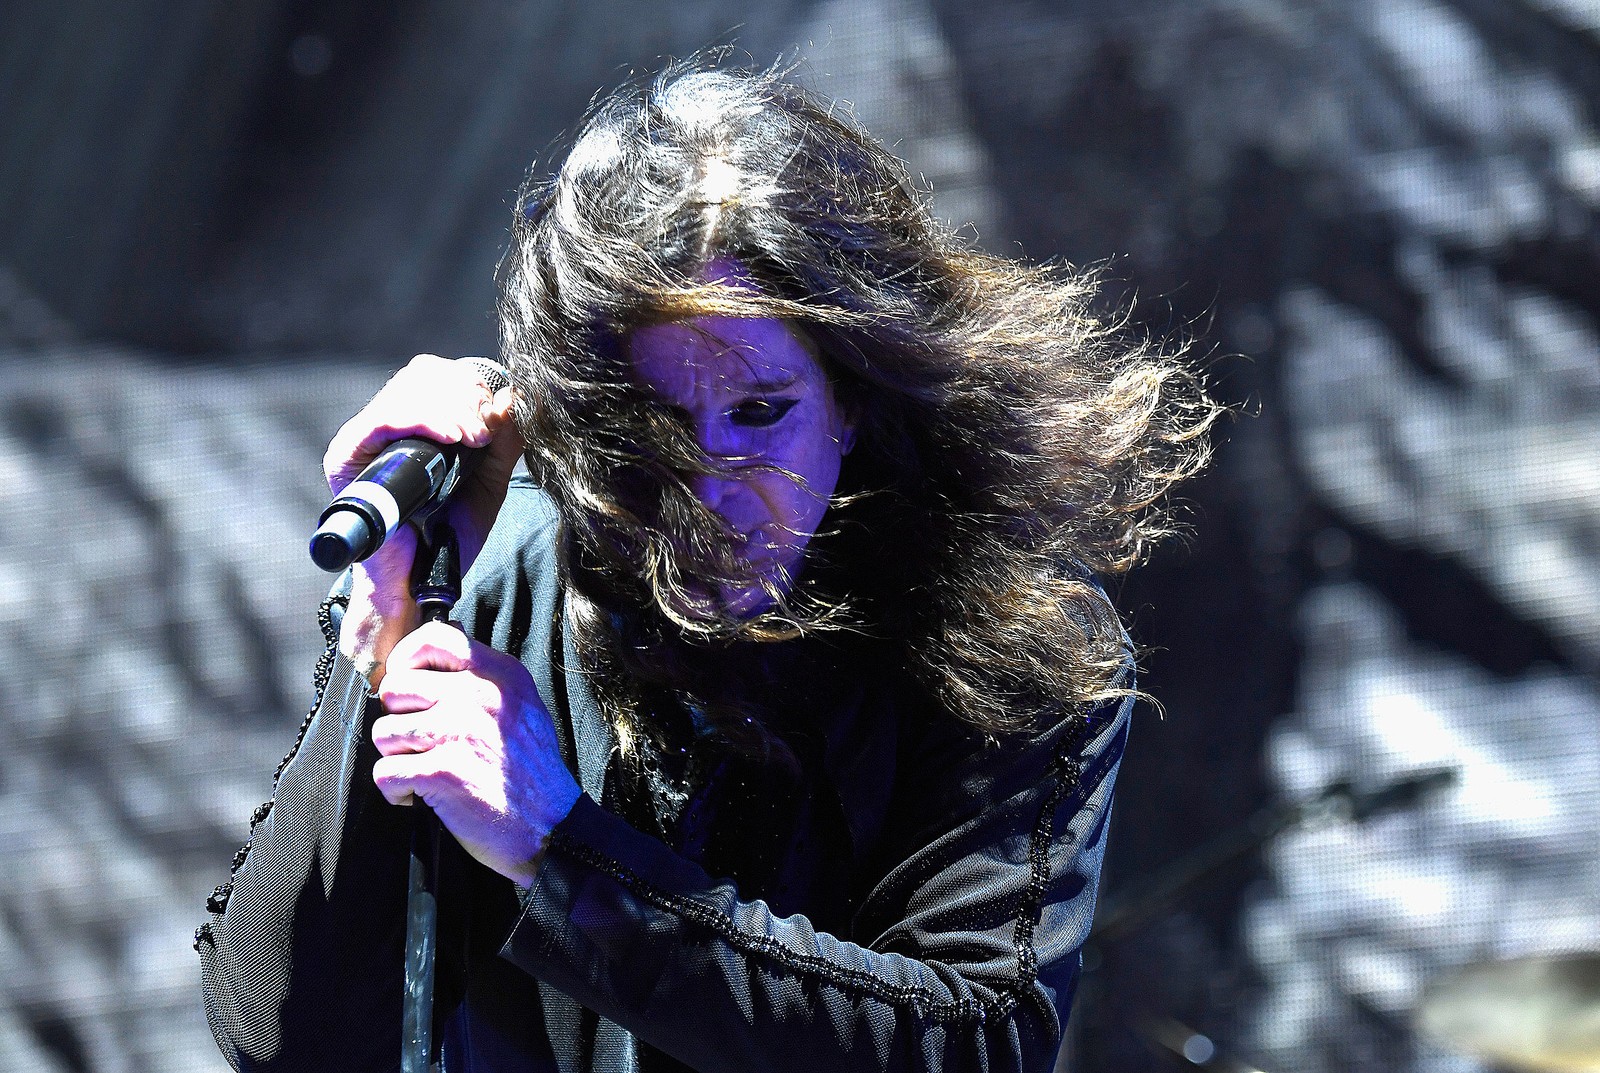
[
  {"x": 475, "y": 512},
  {"x": 491, "y": 415},
  {"x": 423, "y": 776},
  {"x": 508, "y": 438},
  {"x": 443, "y": 646},
  {"x": 392, "y": 781},
  {"x": 396, "y": 777},
  {"x": 505, "y": 441},
  {"x": 415, "y": 689},
  {"x": 465, "y": 373},
  {"x": 360, "y": 439},
  {"x": 409, "y": 732},
  {"x": 456, "y": 693},
  {"x": 502, "y": 404},
  {"x": 482, "y": 411},
  {"x": 436, "y": 646},
  {"x": 436, "y": 398}
]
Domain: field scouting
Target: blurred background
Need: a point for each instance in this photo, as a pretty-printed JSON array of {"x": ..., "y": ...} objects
[{"x": 1376, "y": 219}]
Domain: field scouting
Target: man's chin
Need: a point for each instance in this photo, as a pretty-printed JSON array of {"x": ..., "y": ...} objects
[
  {"x": 748, "y": 599},
  {"x": 742, "y": 602}
]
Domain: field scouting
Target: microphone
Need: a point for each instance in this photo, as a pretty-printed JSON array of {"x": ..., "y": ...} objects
[{"x": 409, "y": 480}]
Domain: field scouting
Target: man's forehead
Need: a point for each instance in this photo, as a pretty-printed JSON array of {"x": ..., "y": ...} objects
[{"x": 715, "y": 352}]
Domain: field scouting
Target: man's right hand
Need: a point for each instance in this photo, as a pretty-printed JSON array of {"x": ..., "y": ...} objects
[{"x": 441, "y": 400}]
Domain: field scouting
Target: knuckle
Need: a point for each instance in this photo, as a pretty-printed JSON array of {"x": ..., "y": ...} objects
[
  {"x": 394, "y": 734},
  {"x": 454, "y": 756},
  {"x": 385, "y": 773},
  {"x": 404, "y": 656},
  {"x": 447, "y": 639},
  {"x": 490, "y": 695}
]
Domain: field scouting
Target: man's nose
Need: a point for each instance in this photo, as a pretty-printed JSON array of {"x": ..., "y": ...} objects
[{"x": 712, "y": 489}]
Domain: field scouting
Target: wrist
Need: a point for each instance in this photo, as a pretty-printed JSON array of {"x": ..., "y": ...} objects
[
  {"x": 560, "y": 803},
  {"x": 374, "y": 623}
]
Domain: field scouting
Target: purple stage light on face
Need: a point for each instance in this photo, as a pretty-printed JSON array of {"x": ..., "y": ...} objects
[{"x": 753, "y": 394}]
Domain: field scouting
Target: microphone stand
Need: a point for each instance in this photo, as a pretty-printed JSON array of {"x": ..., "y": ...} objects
[{"x": 436, "y": 586}]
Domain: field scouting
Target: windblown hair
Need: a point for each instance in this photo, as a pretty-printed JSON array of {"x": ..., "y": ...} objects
[{"x": 1010, "y": 443}]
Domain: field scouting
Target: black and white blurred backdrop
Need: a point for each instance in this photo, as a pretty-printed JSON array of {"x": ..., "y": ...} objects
[{"x": 223, "y": 223}]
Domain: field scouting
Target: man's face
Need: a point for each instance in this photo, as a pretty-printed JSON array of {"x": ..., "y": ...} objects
[{"x": 754, "y": 395}]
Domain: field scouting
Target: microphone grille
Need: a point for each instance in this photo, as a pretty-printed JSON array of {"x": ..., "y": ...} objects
[{"x": 494, "y": 374}]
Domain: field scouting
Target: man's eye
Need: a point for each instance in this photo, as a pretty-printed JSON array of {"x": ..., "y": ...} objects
[{"x": 760, "y": 413}]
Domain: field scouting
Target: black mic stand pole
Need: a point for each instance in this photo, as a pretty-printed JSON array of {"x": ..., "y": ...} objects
[{"x": 436, "y": 585}]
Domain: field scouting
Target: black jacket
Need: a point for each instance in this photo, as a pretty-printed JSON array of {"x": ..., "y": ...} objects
[{"x": 974, "y": 872}]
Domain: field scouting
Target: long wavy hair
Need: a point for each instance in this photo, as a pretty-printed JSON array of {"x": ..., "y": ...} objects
[{"x": 1010, "y": 443}]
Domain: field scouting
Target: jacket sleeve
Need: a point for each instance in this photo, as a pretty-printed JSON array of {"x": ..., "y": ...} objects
[
  {"x": 302, "y": 955},
  {"x": 977, "y": 931}
]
